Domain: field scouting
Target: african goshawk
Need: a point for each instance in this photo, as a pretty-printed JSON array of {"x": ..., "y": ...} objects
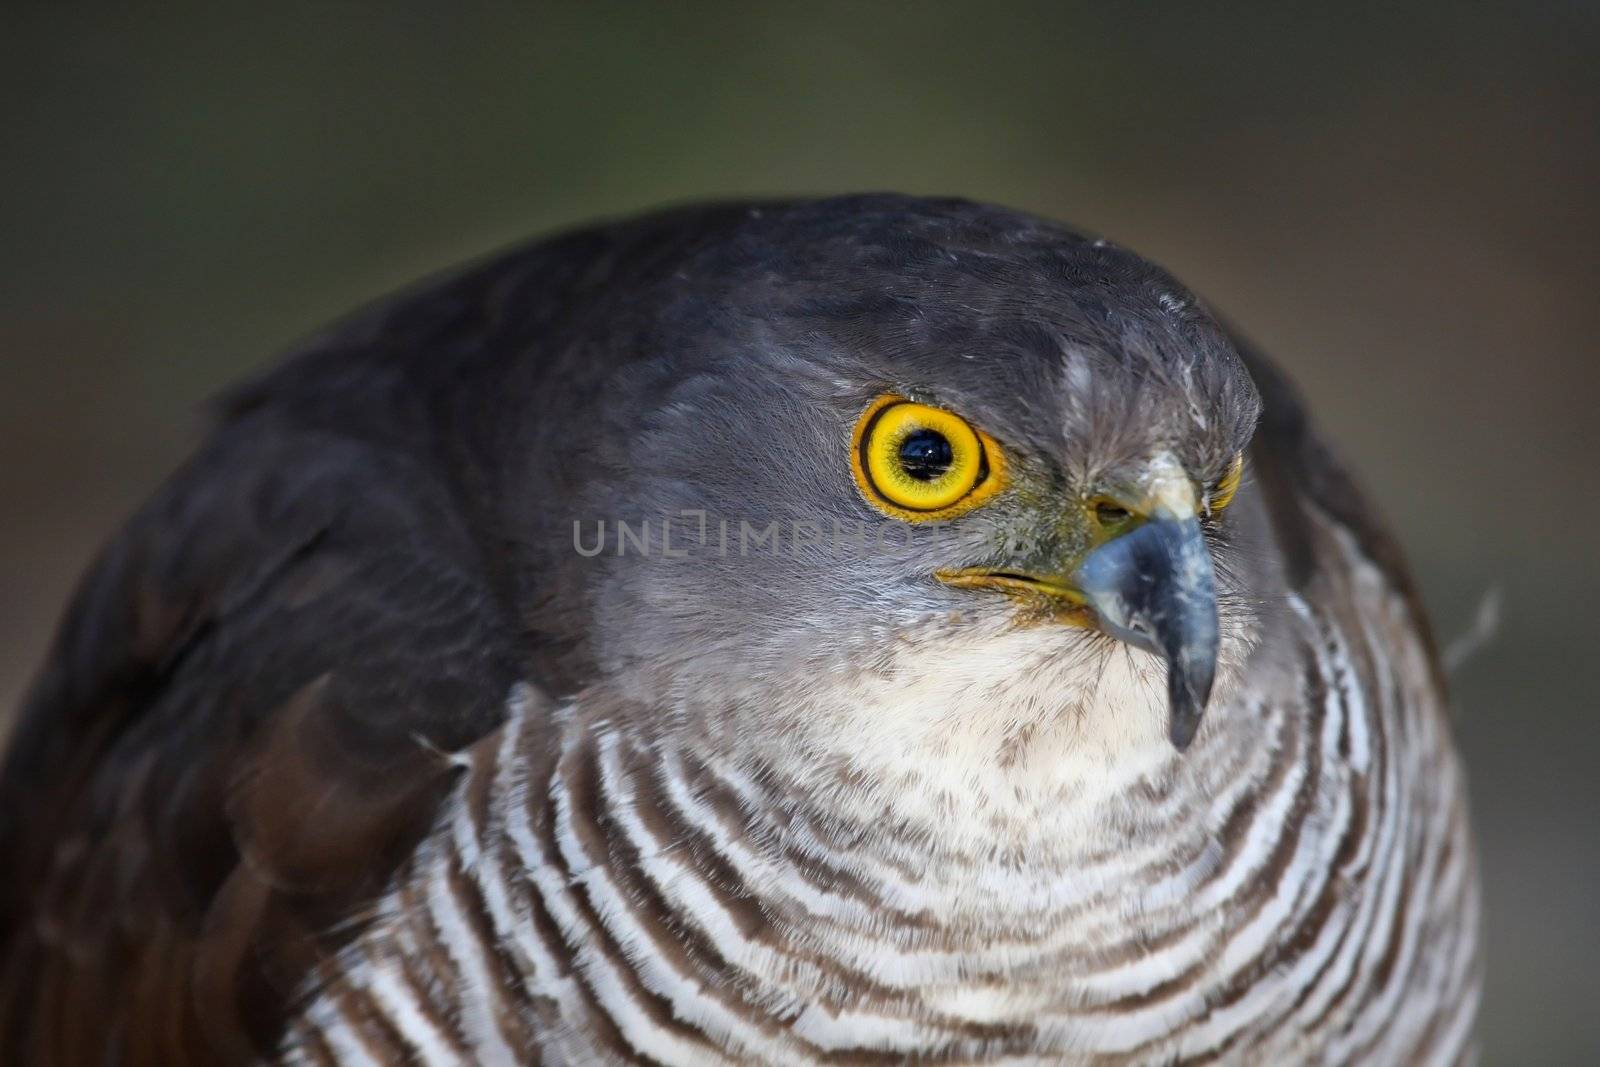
[{"x": 866, "y": 630}]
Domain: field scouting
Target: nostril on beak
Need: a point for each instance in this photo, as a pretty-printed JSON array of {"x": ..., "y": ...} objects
[{"x": 1109, "y": 514}]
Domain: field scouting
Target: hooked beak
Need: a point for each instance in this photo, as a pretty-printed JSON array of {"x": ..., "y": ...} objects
[{"x": 1152, "y": 587}]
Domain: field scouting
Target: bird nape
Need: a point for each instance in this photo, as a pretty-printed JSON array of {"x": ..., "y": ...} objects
[{"x": 871, "y": 628}]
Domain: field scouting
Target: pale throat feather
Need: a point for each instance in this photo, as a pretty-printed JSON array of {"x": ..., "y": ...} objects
[{"x": 1019, "y": 741}]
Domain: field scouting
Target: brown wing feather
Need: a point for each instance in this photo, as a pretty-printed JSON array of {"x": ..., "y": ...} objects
[{"x": 240, "y": 731}]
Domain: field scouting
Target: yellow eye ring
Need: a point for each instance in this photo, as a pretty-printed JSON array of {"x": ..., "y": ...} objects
[
  {"x": 922, "y": 463},
  {"x": 1222, "y": 494}
]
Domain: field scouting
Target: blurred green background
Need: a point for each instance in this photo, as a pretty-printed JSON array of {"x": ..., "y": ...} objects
[{"x": 1400, "y": 203}]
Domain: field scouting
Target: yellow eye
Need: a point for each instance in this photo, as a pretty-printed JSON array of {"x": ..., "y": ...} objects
[
  {"x": 922, "y": 463},
  {"x": 1221, "y": 494}
]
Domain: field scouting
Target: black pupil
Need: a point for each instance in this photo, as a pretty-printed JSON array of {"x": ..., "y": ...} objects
[{"x": 925, "y": 454}]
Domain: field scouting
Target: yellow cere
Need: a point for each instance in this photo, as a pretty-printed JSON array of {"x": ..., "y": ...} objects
[
  {"x": 923, "y": 463},
  {"x": 1222, "y": 495}
]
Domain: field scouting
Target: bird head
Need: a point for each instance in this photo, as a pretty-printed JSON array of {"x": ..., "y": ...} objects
[{"x": 901, "y": 461}]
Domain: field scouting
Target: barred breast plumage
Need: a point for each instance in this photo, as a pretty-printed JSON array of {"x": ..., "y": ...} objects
[
  {"x": 1299, "y": 887},
  {"x": 1129, "y": 748}
]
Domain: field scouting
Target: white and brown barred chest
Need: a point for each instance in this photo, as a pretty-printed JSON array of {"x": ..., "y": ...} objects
[{"x": 1299, "y": 887}]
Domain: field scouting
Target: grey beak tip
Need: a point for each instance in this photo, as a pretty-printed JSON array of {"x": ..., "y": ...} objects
[
  {"x": 1182, "y": 730},
  {"x": 1187, "y": 695}
]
